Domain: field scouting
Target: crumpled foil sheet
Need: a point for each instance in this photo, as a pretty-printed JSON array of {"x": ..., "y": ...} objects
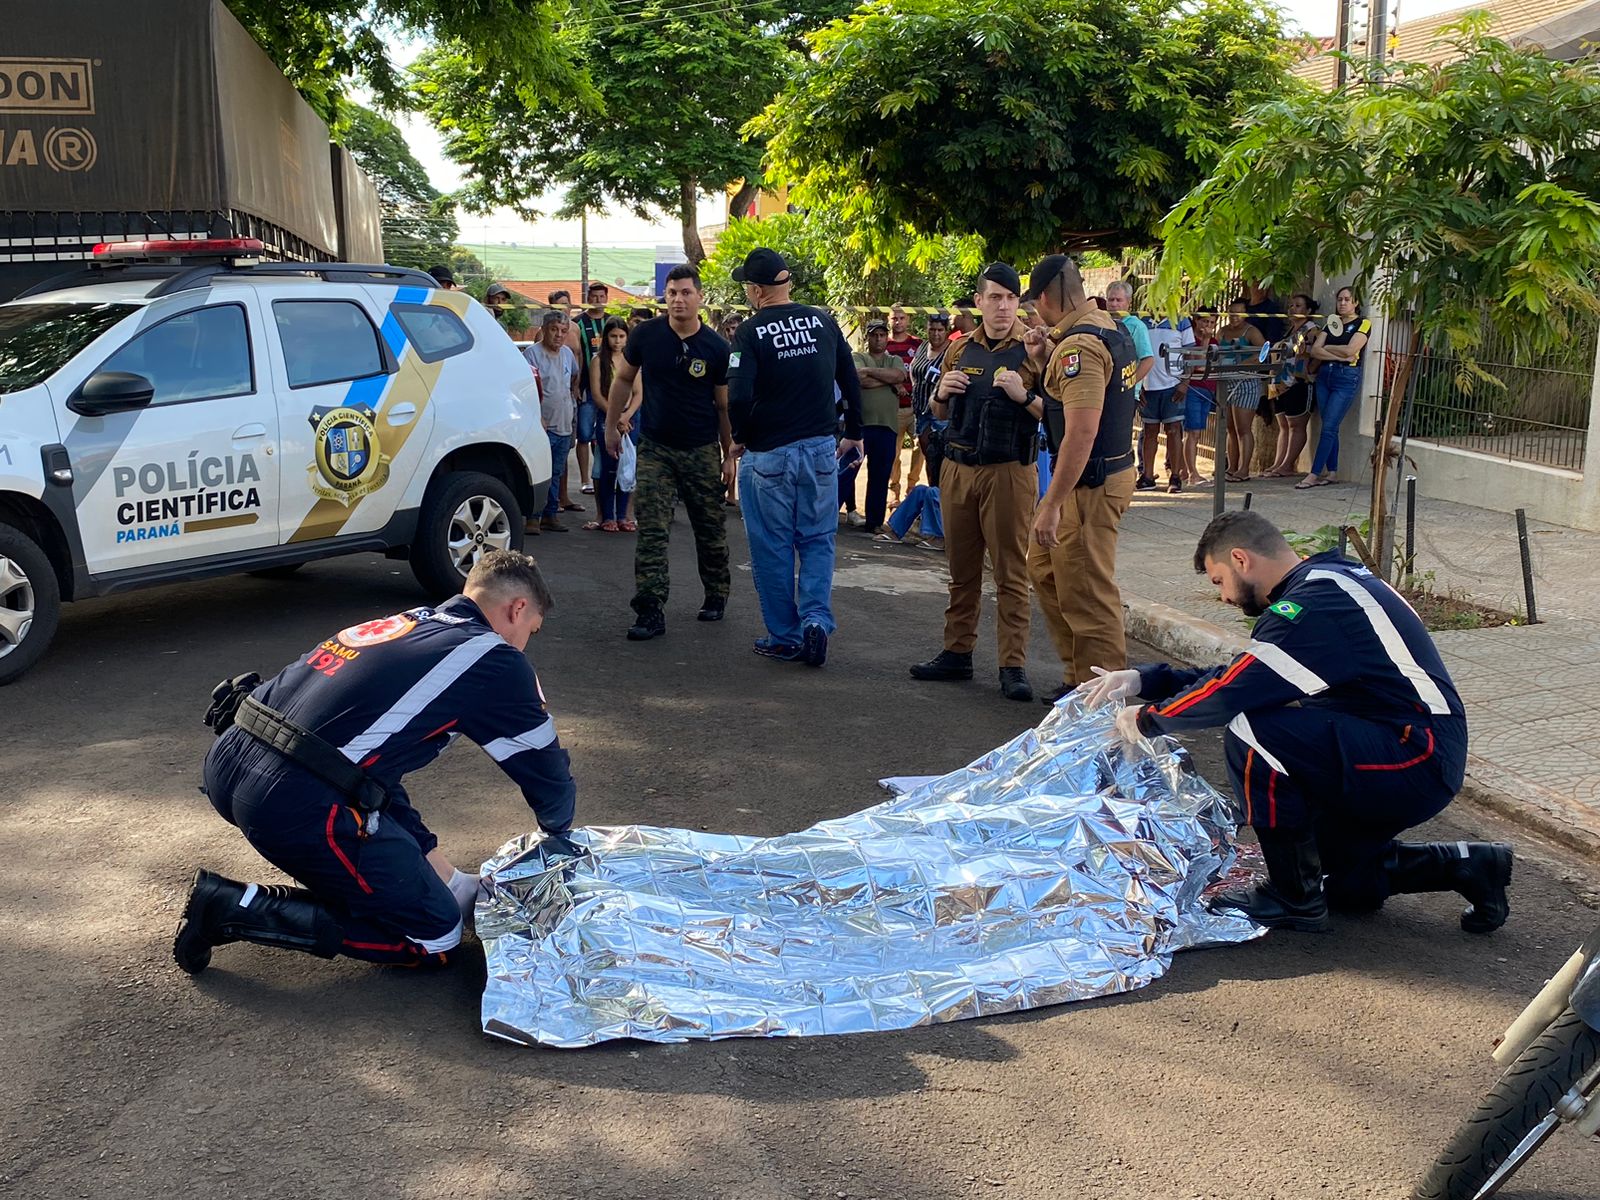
[{"x": 1061, "y": 866}]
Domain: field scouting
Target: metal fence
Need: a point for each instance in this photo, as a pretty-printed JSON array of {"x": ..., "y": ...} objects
[{"x": 1535, "y": 410}]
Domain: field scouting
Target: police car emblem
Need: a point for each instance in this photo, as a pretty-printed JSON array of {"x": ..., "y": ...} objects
[
  {"x": 697, "y": 368},
  {"x": 349, "y": 458}
]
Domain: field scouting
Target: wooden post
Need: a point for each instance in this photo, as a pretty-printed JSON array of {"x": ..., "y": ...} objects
[{"x": 1380, "y": 450}]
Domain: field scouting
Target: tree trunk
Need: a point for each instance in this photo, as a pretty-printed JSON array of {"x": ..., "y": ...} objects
[
  {"x": 687, "y": 191},
  {"x": 742, "y": 200},
  {"x": 1380, "y": 515}
]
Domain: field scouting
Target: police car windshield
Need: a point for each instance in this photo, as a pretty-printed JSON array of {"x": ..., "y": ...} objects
[{"x": 37, "y": 339}]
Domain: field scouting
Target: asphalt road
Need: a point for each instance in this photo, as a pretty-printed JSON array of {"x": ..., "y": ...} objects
[{"x": 1293, "y": 1067}]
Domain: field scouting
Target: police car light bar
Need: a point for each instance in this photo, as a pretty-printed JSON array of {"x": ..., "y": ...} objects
[{"x": 169, "y": 249}]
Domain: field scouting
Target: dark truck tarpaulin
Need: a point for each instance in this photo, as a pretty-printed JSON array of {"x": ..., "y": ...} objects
[
  {"x": 160, "y": 119},
  {"x": 165, "y": 105}
]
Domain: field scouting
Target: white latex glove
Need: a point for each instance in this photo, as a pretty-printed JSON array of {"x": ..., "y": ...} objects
[
  {"x": 464, "y": 888},
  {"x": 1128, "y": 725},
  {"x": 1112, "y": 685}
]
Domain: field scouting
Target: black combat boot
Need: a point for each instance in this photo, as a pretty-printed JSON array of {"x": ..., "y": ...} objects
[
  {"x": 1480, "y": 871},
  {"x": 713, "y": 609},
  {"x": 1014, "y": 684},
  {"x": 652, "y": 623},
  {"x": 269, "y": 914},
  {"x": 1291, "y": 898},
  {"x": 946, "y": 664}
]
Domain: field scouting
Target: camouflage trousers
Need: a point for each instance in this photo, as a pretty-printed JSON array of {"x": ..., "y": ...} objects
[{"x": 695, "y": 477}]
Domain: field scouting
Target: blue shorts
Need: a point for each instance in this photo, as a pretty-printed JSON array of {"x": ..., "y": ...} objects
[
  {"x": 1197, "y": 406},
  {"x": 588, "y": 422},
  {"x": 1157, "y": 407}
]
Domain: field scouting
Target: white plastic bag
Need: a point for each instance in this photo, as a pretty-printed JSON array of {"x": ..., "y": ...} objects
[{"x": 627, "y": 466}]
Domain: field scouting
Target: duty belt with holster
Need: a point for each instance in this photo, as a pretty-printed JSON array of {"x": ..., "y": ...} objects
[{"x": 232, "y": 704}]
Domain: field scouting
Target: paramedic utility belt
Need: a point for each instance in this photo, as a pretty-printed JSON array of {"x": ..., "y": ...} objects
[{"x": 232, "y": 704}]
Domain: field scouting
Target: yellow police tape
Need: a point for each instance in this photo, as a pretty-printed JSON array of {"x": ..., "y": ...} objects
[{"x": 877, "y": 310}]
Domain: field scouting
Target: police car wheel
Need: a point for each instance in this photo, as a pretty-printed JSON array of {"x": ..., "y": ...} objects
[
  {"x": 30, "y": 602},
  {"x": 463, "y": 517}
]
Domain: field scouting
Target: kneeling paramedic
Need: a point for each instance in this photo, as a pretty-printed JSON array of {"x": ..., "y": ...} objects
[
  {"x": 309, "y": 764},
  {"x": 1343, "y": 729}
]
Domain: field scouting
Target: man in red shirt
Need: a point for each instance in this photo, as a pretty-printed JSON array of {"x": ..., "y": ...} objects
[{"x": 903, "y": 345}]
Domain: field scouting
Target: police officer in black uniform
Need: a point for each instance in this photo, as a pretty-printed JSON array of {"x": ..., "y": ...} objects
[
  {"x": 309, "y": 765},
  {"x": 1343, "y": 729}
]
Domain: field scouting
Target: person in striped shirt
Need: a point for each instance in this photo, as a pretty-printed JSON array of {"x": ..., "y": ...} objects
[
  {"x": 1343, "y": 729},
  {"x": 326, "y": 805}
]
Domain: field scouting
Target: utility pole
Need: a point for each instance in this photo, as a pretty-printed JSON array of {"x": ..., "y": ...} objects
[{"x": 583, "y": 267}]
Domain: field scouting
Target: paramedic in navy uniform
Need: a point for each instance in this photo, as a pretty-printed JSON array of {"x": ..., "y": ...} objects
[
  {"x": 376, "y": 702},
  {"x": 1343, "y": 730}
]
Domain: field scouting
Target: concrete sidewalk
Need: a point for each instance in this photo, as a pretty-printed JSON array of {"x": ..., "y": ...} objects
[{"x": 1535, "y": 742}]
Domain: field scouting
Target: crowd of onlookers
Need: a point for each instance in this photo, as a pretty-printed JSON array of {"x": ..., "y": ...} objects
[{"x": 1262, "y": 364}]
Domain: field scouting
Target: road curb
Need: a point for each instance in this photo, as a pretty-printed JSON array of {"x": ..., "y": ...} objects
[{"x": 1495, "y": 789}]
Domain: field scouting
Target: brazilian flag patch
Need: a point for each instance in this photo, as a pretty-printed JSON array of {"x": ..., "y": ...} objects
[{"x": 1287, "y": 609}]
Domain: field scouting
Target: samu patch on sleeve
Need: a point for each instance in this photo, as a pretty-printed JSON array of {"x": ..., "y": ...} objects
[{"x": 1287, "y": 609}]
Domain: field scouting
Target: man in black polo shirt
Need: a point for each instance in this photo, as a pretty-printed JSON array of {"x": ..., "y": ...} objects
[{"x": 685, "y": 451}]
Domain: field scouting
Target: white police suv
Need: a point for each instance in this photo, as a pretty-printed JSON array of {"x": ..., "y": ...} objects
[{"x": 175, "y": 410}]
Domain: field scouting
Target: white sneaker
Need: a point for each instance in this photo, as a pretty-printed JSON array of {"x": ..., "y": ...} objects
[{"x": 854, "y": 518}]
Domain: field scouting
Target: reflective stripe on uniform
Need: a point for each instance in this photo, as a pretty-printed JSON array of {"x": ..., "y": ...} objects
[
  {"x": 421, "y": 694},
  {"x": 440, "y": 944},
  {"x": 536, "y": 738},
  {"x": 1281, "y": 661},
  {"x": 1393, "y": 644},
  {"x": 1240, "y": 728}
]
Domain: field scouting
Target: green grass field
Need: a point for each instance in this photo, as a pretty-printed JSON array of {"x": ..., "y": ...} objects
[{"x": 607, "y": 264}]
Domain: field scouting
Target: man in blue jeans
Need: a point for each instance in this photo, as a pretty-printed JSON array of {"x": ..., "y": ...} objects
[
  {"x": 557, "y": 368},
  {"x": 781, "y": 374}
]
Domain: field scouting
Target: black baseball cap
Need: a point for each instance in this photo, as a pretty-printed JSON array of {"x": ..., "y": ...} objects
[
  {"x": 495, "y": 289},
  {"x": 762, "y": 267},
  {"x": 1044, "y": 274},
  {"x": 1002, "y": 273},
  {"x": 877, "y": 325},
  {"x": 441, "y": 274}
]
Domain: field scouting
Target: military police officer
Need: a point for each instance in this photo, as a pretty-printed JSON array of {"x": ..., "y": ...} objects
[
  {"x": 1089, "y": 373},
  {"x": 988, "y": 483}
]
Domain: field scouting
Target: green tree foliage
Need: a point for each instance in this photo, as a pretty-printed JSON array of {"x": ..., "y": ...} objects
[
  {"x": 1038, "y": 124},
  {"x": 1461, "y": 192},
  {"x": 323, "y": 46},
  {"x": 418, "y": 226},
  {"x": 657, "y": 118},
  {"x": 791, "y": 235}
]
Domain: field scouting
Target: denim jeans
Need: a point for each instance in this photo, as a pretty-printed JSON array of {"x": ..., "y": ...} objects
[
  {"x": 560, "y": 448},
  {"x": 613, "y": 504},
  {"x": 790, "y": 500},
  {"x": 879, "y": 446},
  {"x": 923, "y": 504},
  {"x": 1336, "y": 386}
]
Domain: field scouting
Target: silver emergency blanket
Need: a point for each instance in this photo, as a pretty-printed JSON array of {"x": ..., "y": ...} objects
[{"x": 1061, "y": 866}]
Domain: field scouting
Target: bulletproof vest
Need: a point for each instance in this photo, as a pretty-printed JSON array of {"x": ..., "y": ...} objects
[
  {"x": 986, "y": 425},
  {"x": 1116, "y": 418}
]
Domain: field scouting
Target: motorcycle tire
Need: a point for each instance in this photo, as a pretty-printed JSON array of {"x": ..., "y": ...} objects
[{"x": 1521, "y": 1100}]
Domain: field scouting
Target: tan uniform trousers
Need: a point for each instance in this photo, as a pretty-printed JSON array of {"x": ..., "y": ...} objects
[
  {"x": 907, "y": 421},
  {"x": 1076, "y": 580},
  {"x": 988, "y": 508}
]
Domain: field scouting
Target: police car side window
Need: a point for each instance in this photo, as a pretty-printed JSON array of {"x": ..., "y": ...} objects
[
  {"x": 202, "y": 354},
  {"x": 327, "y": 341},
  {"x": 434, "y": 331}
]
